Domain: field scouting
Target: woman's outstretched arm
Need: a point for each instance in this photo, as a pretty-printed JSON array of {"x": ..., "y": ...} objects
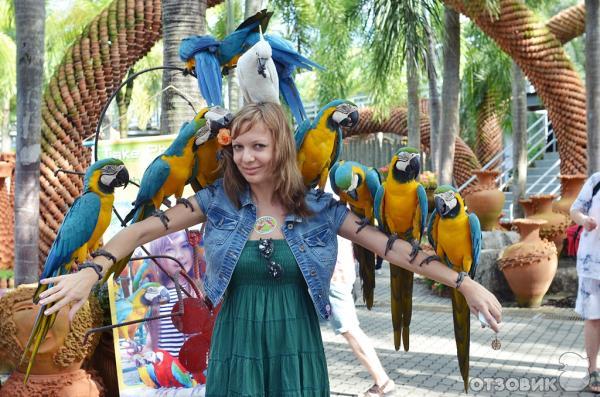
[
  {"x": 76, "y": 287},
  {"x": 480, "y": 300}
]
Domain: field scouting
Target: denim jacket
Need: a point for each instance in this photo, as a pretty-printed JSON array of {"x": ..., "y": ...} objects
[{"x": 312, "y": 240}]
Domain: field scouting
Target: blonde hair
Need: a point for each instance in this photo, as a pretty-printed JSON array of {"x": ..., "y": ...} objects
[{"x": 289, "y": 187}]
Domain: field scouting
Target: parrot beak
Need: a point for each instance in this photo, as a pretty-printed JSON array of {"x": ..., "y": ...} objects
[
  {"x": 262, "y": 62},
  {"x": 122, "y": 178},
  {"x": 408, "y": 166},
  {"x": 353, "y": 194},
  {"x": 164, "y": 296},
  {"x": 445, "y": 203},
  {"x": 216, "y": 118},
  {"x": 346, "y": 115}
]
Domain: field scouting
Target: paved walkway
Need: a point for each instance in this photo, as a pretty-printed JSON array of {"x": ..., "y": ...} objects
[{"x": 534, "y": 344}]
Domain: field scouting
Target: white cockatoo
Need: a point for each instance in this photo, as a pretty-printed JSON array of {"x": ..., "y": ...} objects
[{"x": 257, "y": 74}]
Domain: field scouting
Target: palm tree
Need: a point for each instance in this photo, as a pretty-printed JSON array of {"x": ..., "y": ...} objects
[
  {"x": 592, "y": 82},
  {"x": 435, "y": 102},
  {"x": 180, "y": 18},
  {"x": 449, "y": 125},
  {"x": 519, "y": 123},
  {"x": 30, "y": 21}
]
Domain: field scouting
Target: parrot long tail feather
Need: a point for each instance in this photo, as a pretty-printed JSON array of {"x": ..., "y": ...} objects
[
  {"x": 407, "y": 292},
  {"x": 366, "y": 270},
  {"x": 401, "y": 285},
  {"x": 40, "y": 289},
  {"x": 462, "y": 333},
  {"x": 38, "y": 333}
]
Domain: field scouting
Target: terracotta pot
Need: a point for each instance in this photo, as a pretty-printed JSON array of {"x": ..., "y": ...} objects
[
  {"x": 528, "y": 207},
  {"x": 5, "y": 169},
  {"x": 430, "y": 201},
  {"x": 485, "y": 199},
  {"x": 570, "y": 185},
  {"x": 529, "y": 265},
  {"x": 556, "y": 228}
]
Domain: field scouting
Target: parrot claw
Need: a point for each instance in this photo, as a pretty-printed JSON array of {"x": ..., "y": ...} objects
[
  {"x": 185, "y": 202},
  {"x": 416, "y": 247},
  {"x": 364, "y": 222},
  {"x": 430, "y": 259},
  {"x": 320, "y": 193},
  {"x": 163, "y": 218},
  {"x": 393, "y": 237},
  {"x": 166, "y": 202}
]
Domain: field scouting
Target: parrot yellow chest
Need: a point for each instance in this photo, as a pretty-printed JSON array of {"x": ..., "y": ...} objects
[
  {"x": 179, "y": 174},
  {"x": 208, "y": 165},
  {"x": 454, "y": 240},
  {"x": 400, "y": 204},
  {"x": 315, "y": 155}
]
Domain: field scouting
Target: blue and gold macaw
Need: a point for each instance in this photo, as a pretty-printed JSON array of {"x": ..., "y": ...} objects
[
  {"x": 138, "y": 305},
  {"x": 357, "y": 185},
  {"x": 205, "y": 55},
  {"x": 167, "y": 175},
  {"x": 287, "y": 59},
  {"x": 319, "y": 143},
  {"x": 79, "y": 234},
  {"x": 401, "y": 210},
  {"x": 456, "y": 238},
  {"x": 206, "y": 165}
]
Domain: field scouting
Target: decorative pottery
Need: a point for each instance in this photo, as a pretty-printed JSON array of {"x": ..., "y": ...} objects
[
  {"x": 556, "y": 228},
  {"x": 485, "y": 199},
  {"x": 57, "y": 367},
  {"x": 529, "y": 265},
  {"x": 5, "y": 169},
  {"x": 528, "y": 207},
  {"x": 570, "y": 185}
]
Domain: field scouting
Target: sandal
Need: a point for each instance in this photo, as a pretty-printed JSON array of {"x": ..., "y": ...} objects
[
  {"x": 594, "y": 385},
  {"x": 380, "y": 391}
]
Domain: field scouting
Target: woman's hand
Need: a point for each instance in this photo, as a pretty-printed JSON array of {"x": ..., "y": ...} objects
[
  {"x": 480, "y": 300},
  {"x": 74, "y": 287}
]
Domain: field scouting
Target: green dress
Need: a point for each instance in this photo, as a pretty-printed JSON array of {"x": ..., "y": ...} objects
[{"x": 267, "y": 340}]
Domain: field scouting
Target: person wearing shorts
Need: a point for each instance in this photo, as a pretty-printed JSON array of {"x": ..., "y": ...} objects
[{"x": 585, "y": 211}]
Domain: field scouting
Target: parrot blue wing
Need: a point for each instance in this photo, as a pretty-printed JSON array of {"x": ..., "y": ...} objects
[
  {"x": 291, "y": 96},
  {"x": 422, "y": 197},
  {"x": 76, "y": 230},
  {"x": 475, "y": 228},
  {"x": 378, "y": 206},
  {"x": 154, "y": 178},
  {"x": 284, "y": 52},
  {"x": 431, "y": 233},
  {"x": 124, "y": 308},
  {"x": 152, "y": 373},
  {"x": 182, "y": 377},
  {"x": 301, "y": 132},
  {"x": 233, "y": 43},
  {"x": 373, "y": 181},
  {"x": 208, "y": 72},
  {"x": 332, "y": 171}
]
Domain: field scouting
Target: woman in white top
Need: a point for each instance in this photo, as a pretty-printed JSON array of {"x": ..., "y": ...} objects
[{"x": 585, "y": 211}]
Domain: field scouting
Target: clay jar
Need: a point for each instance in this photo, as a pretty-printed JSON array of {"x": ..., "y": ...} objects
[
  {"x": 570, "y": 185},
  {"x": 485, "y": 199},
  {"x": 528, "y": 207},
  {"x": 555, "y": 229},
  {"x": 529, "y": 265}
]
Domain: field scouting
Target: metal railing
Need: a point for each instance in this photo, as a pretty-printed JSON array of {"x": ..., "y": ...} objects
[{"x": 537, "y": 134}]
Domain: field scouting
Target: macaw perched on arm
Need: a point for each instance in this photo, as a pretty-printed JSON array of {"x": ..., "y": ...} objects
[
  {"x": 138, "y": 305},
  {"x": 401, "y": 210},
  {"x": 201, "y": 59},
  {"x": 319, "y": 143},
  {"x": 79, "y": 234},
  {"x": 167, "y": 175},
  {"x": 206, "y": 165},
  {"x": 234, "y": 44},
  {"x": 357, "y": 185},
  {"x": 287, "y": 60},
  {"x": 456, "y": 238},
  {"x": 257, "y": 74}
]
